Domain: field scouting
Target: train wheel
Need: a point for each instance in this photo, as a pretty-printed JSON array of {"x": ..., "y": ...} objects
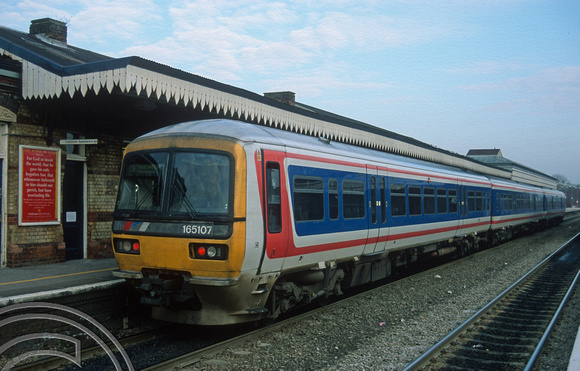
[
  {"x": 463, "y": 249},
  {"x": 267, "y": 320},
  {"x": 322, "y": 300}
]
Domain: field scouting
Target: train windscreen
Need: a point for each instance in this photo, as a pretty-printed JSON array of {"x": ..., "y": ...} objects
[{"x": 175, "y": 184}]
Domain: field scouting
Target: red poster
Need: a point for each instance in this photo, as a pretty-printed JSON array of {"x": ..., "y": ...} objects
[{"x": 39, "y": 185}]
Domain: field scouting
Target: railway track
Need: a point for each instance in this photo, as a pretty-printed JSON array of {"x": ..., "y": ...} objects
[
  {"x": 510, "y": 331},
  {"x": 209, "y": 352},
  {"x": 188, "y": 360}
]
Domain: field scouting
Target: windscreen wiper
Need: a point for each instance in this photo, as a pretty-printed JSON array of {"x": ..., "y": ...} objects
[{"x": 186, "y": 202}]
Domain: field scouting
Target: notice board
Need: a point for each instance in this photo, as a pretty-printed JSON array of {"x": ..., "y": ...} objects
[{"x": 39, "y": 186}]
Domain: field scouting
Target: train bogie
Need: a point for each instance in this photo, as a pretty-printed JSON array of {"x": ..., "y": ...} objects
[{"x": 217, "y": 303}]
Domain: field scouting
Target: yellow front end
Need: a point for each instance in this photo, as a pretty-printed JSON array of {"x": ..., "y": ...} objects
[
  {"x": 176, "y": 254},
  {"x": 172, "y": 261}
]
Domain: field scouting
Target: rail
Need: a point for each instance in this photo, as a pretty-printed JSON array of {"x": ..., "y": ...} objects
[{"x": 435, "y": 354}]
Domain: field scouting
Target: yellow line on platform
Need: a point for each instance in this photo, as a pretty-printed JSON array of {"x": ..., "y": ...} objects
[{"x": 64, "y": 275}]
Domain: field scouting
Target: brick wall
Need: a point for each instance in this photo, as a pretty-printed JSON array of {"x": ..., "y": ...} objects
[
  {"x": 31, "y": 245},
  {"x": 104, "y": 166},
  {"x": 27, "y": 245}
]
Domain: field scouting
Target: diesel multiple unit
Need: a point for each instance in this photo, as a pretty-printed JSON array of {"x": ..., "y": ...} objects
[{"x": 220, "y": 222}]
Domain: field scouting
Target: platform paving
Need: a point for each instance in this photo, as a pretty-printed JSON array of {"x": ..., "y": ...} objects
[{"x": 42, "y": 282}]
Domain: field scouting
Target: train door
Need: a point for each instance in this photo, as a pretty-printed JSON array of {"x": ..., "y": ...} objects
[
  {"x": 462, "y": 201},
  {"x": 373, "y": 216},
  {"x": 275, "y": 211},
  {"x": 382, "y": 214}
]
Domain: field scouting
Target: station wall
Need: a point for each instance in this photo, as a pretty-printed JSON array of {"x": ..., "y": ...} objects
[{"x": 25, "y": 245}]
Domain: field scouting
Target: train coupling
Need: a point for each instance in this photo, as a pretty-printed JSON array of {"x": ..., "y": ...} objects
[{"x": 168, "y": 292}]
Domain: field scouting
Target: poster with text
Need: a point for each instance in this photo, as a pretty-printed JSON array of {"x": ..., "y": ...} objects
[{"x": 39, "y": 186}]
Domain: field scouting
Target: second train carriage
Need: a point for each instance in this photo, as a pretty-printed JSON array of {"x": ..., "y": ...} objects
[
  {"x": 518, "y": 207},
  {"x": 220, "y": 222}
]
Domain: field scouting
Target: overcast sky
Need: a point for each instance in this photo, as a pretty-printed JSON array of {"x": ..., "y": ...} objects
[{"x": 455, "y": 74}]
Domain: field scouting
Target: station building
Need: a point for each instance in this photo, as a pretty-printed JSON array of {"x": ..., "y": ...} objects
[{"x": 66, "y": 114}]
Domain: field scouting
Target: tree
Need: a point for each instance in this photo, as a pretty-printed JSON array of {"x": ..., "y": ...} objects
[{"x": 562, "y": 180}]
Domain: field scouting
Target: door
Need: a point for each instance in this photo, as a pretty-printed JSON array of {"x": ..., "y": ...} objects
[
  {"x": 462, "y": 201},
  {"x": 73, "y": 210},
  {"x": 275, "y": 210},
  {"x": 374, "y": 209}
]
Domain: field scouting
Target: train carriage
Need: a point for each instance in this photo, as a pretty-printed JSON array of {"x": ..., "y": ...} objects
[
  {"x": 518, "y": 207},
  {"x": 220, "y": 222}
]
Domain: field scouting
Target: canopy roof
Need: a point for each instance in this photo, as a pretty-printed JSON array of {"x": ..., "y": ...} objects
[{"x": 53, "y": 68}]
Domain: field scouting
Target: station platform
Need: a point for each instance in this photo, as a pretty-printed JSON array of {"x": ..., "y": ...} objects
[{"x": 42, "y": 282}]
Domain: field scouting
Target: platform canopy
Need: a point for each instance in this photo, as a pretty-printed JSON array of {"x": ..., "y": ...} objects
[{"x": 52, "y": 69}]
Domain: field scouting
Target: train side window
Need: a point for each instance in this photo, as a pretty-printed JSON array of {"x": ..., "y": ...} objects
[
  {"x": 429, "y": 200},
  {"x": 529, "y": 201},
  {"x": 414, "y": 200},
  {"x": 504, "y": 202},
  {"x": 398, "y": 200},
  {"x": 333, "y": 199},
  {"x": 308, "y": 198},
  {"x": 353, "y": 199},
  {"x": 478, "y": 201},
  {"x": 274, "y": 209},
  {"x": 383, "y": 195},
  {"x": 470, "y": 200},
  {"x": 452, "y": 200},
  {"x": 441, "y": 201}
]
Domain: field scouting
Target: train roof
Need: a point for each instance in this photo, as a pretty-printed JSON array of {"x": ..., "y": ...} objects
[{"x": 243, "y": 132}]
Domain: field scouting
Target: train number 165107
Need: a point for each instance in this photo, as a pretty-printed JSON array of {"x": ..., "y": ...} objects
[{"x": 198, "y": 229}]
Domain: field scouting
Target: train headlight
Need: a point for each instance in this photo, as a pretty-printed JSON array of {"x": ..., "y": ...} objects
[
  {"x": 208, "y": 251},
  {"x": 211, "y": 252},
  {"x": 127, "y": 246}
]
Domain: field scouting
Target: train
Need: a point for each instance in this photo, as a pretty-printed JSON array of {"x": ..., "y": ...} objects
[{"x": 222, "y": 222}]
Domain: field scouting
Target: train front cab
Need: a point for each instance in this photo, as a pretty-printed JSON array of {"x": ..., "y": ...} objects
[{"x": 185, "y": 254}]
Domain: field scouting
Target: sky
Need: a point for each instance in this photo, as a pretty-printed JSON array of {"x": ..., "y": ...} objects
[{"x": 458, "y": 75}]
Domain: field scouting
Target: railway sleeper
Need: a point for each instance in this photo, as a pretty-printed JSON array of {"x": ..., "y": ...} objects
[
  {"x": 495, "y": 361},
  {"x": 484, "y": 338},
  {"x": 504, "y": 344}
]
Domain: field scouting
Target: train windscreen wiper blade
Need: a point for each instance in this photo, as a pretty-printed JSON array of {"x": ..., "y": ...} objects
[
  {"x": 139, "y": 203},
  {"x": 186, "y": 202}
]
